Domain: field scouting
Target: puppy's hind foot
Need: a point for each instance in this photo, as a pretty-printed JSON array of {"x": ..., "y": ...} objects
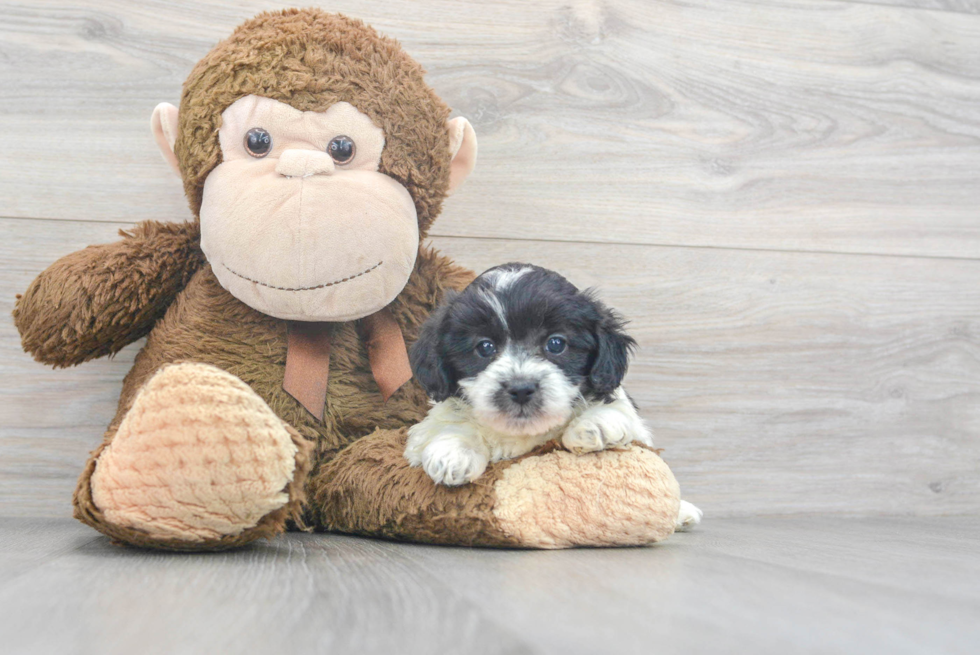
[{"x": 688, "y": 516}]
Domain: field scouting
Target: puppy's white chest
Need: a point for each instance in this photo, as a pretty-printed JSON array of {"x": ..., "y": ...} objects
[
  {"x": 455, "y": 448},
  {"x": 454, "y": 419},
  {"x": 504, "y": 446}
]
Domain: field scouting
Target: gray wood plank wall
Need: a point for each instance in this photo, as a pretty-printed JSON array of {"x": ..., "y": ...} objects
[{"x": 783, "y": 195}]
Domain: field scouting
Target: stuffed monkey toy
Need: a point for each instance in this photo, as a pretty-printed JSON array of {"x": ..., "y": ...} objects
[{"x": 274, "y": 388}]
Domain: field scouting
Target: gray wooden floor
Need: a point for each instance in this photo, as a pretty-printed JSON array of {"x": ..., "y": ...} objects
[{"x": 761, "y": 585}]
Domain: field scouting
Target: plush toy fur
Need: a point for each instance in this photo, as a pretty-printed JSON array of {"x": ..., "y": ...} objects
[
  {"x": 207, "y": 450},
  {"x": 281, "y": 56}
]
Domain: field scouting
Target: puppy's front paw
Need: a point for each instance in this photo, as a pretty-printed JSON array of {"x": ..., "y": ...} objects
[
  {"x": 452, "y": 464},
  {"x": 600, "y": 430},
  {"x": 584, "y": 436}
]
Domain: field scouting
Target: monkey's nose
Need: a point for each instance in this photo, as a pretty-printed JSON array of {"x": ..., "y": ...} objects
[
  {"x": 303, "y": 163},
  {"x": 521, "y": 392}
]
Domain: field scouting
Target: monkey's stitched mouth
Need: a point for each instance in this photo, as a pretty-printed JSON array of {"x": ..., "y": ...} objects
[{"x": 319, "y": 286}]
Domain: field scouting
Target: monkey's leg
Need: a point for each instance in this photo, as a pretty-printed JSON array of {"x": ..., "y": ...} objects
[
  {"x": 547, "y": 499},
  {"x": 198, "y": 462}
]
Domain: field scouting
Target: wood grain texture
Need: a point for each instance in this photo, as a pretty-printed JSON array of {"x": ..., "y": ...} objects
[
  {"x": 791, "y": 124},
  {"x": 957, "y": 6},
  {"x": 778, "y": 383},
  {"x": 775, "y": 585},
  {"x": 291, "y": 596}
]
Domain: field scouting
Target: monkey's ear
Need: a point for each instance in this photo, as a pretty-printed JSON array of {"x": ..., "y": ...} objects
[
  {"x": 164, "y": 124},
  {"x": 462, "y": 145},
  {"x": 426, "y": 355}
]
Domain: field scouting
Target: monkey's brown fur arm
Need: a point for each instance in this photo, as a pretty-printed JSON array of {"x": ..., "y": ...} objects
[{"x": 96, "y": 301}]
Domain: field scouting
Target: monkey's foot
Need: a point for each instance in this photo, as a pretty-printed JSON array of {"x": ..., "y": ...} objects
[
  {"x": 547, "y": 499},
  {"x": 558, "y": 499},
  {"x": 198, "y": 462}
]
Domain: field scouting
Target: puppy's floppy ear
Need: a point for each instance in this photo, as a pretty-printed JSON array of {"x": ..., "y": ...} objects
[
  {"x": 613, "y": 350},
  {"x": 427, "y": 356}
]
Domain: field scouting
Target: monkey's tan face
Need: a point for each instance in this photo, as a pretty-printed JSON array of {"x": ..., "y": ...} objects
[{"x": 297, "y": 221}]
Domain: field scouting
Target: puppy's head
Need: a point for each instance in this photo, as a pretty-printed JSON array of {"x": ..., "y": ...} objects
[{"x": 522, "y": 345}]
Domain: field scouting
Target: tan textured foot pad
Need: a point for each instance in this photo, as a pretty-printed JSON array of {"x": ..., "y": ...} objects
[
  {"x": 610, "y": 498},
  {"x": 198, "y": 457}
]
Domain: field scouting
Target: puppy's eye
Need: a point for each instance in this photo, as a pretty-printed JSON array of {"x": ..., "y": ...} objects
[
  {"x": 258, "y": 142},
  {"x": 341, "y": 148},
  {"x": 555, "y": 345},
  {"x": 486, "y": 348}
]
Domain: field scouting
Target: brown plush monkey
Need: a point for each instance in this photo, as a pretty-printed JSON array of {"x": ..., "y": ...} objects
[{"x": 273, "y": 386}]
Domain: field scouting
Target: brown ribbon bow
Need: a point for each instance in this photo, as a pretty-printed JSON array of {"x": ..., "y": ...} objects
[{"x": 308, "y": 359}]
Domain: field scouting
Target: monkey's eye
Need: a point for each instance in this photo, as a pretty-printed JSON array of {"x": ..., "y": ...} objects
[
  {"x": 341, "y": 148},
  {"x": 486, "y": 348},
  {"x": 258, "y": 142},
  {"x": 555, "y": 345}
]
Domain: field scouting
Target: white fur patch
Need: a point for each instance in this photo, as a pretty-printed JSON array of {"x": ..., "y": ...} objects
[
  {"x": 495, "y": 305},
  {"x": 503, "y": 278},
  {"x": 448, "y": 460},
  {"x": 687, "y": 517},
  {"x": 607, "y": 425},
  {"x": 454, "y": 446}
]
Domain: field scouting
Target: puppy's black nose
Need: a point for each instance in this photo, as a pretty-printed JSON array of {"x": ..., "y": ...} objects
[{"x": 521, "y": 392}]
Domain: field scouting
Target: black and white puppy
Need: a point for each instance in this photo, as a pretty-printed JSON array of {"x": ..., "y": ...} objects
[{"x": 519, "y": 358}]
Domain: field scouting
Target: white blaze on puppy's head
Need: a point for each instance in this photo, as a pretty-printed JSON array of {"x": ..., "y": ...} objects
[{"x": 502, "y": 277}]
